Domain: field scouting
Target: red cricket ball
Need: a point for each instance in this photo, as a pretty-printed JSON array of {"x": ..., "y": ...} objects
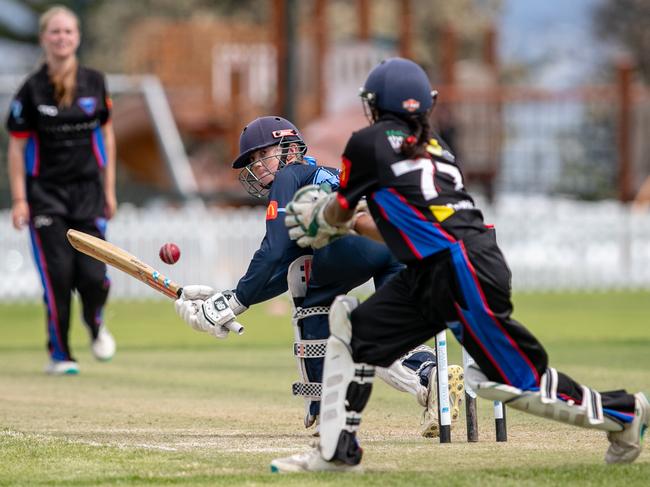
[{"x": 170, "y": 253}]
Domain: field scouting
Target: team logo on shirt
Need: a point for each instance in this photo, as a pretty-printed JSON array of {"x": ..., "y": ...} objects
[
  {"x": 395, "y": 139},
  {"x": 16, "y": 110},
  {"x": 410, "y": 105},
  {"x": 88, "y": 104},
  {"x": 272, "y": 210}
]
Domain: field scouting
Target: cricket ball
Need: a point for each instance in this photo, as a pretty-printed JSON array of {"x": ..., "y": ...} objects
[{"x": 170, "y": 253}]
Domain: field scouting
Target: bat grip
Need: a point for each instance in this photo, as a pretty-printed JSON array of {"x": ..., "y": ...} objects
[{"x": 235, "y": 327}]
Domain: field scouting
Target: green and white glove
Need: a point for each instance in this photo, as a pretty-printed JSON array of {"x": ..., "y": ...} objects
[{"x": 305, "y": 218}]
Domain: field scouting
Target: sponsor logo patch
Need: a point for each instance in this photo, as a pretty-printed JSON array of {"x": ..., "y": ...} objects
[
  {"x": 272, "y": 210},
  {"x": 49, "y": 110},
  {"x": 434, "y": 148},
  {"x": 284, "y": 133},
  {"x": 42, "y": 221},
  {"x": 410, "y": 105},
  {"x": 346, "y": 165},
  {"x": 87, "y": 104}
]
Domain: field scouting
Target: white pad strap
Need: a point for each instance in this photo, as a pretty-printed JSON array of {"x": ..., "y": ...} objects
[
  {"x": 548, "y": 386},
  {"x": 589, "y": 414}
]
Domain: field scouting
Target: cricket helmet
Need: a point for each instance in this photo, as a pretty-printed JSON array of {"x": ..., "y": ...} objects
[
  {"x": 261, "y": 133},
  {"x": 398, "y": 85}
]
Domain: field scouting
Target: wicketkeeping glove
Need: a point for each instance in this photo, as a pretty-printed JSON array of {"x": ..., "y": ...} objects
[{"x": 306, "y": 220}]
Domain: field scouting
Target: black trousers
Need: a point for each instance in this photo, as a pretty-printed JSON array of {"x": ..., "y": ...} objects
[
  {"x": 63, "y": 270},
  {"x": 466, "y": 289}
]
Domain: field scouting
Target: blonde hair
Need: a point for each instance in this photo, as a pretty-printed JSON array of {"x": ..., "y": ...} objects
[{"x": 65, "y": 82}]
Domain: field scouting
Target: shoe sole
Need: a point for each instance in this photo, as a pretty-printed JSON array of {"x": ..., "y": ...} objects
[
  {"x": 296, "y": 469},
  {"x": 456, "y": 383},
  {"x": 65, "y": 372}
]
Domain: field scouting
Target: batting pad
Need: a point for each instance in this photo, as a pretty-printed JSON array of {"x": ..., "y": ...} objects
[{"x": 586, "y": 415}]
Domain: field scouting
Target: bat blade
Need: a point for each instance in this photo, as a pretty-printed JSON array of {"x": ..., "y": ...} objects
[{"x": 121, "y": 259}]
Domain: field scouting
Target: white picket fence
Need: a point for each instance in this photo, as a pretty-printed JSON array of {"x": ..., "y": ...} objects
[{"x": 550, "y": 244}]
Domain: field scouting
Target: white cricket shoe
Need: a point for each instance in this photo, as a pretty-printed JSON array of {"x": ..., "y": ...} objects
[
  {"x": 311, "y": 461},
  {"x": 625, "y": 446},
  {"x": 62, "y": 367},
  {"x": 430, "y": 426},
  {"x": 103, "y": 347}
]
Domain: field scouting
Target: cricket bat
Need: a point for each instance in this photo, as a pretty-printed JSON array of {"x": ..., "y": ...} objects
[{"x": 121, "y": 259}]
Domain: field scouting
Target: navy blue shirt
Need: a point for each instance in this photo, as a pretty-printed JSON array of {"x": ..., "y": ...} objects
[{"x": 266, "y": 276}]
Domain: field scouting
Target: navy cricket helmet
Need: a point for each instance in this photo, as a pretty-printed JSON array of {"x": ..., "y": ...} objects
[
  {"x": 264, "y": 132},
  {"x": 398, "y": 85},
  {"x": 257, "y": 175}
]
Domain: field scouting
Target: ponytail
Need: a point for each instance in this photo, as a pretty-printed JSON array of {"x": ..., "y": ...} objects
[
  {"x": 415, "y": 144},
  {"x": 65, "y": 84}
]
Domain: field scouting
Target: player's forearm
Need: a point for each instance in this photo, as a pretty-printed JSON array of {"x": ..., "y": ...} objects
[
  {"x": 366, "y": 226},
  {"x": 335, "y": 214},
  {"x": 16, "y": 157},
  {"x": 109, "y": 169}
]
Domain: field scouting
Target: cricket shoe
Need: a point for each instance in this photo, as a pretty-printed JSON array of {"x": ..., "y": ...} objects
[
  {"x": 455, "y": 377},
  {"x": 311, "y": 461},
  {"x": 103, "y": 347},
  {"x": 625, "y": 446},
  {"x": 62, "y": 367}
]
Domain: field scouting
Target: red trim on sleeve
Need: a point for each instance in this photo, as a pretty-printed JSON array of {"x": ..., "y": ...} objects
[
  {"x": 342, "y": 201},
  {"x": 20, "y": 134},
  {"x": 346, "y": 165}
]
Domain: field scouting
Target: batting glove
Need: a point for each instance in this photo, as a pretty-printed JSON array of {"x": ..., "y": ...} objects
[{"x": 206, "y": 311}]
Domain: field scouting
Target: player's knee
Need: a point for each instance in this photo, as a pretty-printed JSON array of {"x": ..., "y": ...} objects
[
  {"x": 94, "y": 283},
  {"x": 339, "y": 318}
]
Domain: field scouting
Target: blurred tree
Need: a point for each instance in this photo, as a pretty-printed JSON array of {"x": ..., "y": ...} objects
[
  {"x": 469, "y": 18},
  {"x": 107, "y": 21},
  {"x": 628, "y": 22},
  {"x": 8, "y": 29}
]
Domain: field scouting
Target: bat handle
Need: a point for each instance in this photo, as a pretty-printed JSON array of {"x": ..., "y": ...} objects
[{"x": 235, "y": 327}]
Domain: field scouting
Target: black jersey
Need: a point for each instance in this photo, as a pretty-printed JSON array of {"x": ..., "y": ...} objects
[
  {"x": 420, "y": 206},
  {"x": 65, "y": 144}
]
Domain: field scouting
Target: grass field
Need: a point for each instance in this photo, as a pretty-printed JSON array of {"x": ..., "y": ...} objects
[{"x": 176, "y": 407}]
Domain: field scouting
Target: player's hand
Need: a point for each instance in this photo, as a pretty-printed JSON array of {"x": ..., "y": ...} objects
[
  {"x": 20, "y": 214},
  {"x": 306, "y": 221},
  {"x": 110, "y": 207},
  {"x": 207, "y": 312}
]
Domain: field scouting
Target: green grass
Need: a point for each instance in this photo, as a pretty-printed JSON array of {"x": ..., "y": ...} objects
[{"x": 176, "y": 407}]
